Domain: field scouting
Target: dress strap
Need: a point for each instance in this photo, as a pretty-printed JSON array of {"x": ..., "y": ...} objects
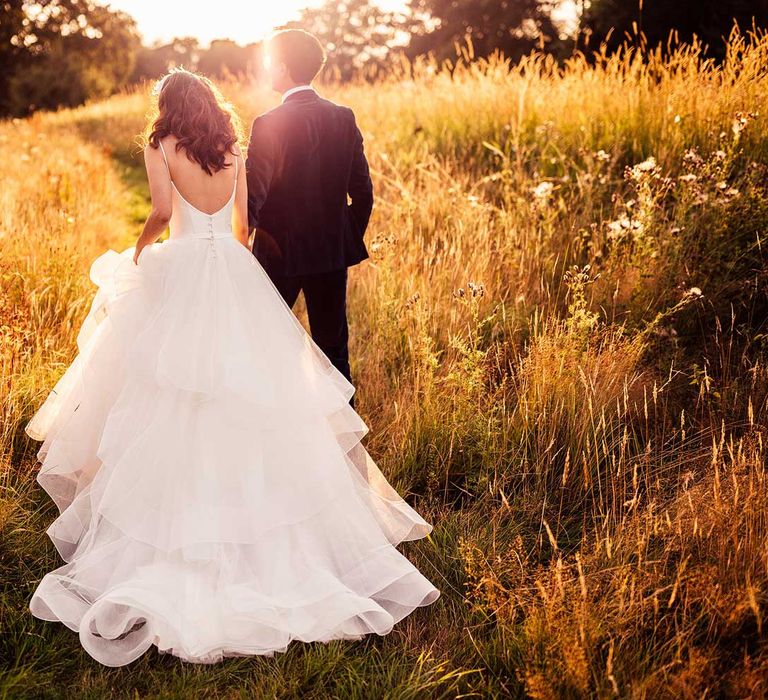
[
  {"x": 167, "y": 167},
  {"x": 237, "y": 162}
]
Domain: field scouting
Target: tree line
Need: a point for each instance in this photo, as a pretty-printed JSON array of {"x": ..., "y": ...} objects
[{"x": 63, "y": 52}]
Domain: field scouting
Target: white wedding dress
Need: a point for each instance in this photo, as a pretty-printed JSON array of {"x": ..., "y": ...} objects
[{"x": 215, "y": 499}]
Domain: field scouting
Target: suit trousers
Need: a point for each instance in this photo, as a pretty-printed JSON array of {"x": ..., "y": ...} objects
[{"x": 325, "y": 294}]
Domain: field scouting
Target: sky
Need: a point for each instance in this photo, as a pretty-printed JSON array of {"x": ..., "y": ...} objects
[{"x": 243, "y": 21}]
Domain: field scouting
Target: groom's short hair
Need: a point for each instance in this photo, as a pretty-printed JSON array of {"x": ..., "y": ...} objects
[{"x": 300, "y": 51}]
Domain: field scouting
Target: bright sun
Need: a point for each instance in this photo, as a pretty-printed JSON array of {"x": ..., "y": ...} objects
[{"x": 244, "y": 21}]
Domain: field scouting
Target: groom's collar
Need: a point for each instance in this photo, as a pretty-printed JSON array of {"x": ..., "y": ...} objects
[{"x": 298, "y": 88}]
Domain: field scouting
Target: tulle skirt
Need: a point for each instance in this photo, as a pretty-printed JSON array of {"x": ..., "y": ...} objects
[{"x": 215, "y": 498}]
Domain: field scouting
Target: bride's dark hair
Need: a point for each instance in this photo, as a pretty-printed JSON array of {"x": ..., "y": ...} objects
[{"x": 191, "y": 108}]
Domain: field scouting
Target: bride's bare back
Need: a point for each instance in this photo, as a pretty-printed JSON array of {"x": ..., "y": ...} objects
[
  {"x": 206, "y": 193},
  {"x": 169, "y": 170}
]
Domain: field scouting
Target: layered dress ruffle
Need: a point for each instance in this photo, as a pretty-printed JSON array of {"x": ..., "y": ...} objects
[{"x": 215, "y": 497}]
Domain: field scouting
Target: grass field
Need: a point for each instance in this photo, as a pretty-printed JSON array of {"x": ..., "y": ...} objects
[{"x": 560, "y": 347}]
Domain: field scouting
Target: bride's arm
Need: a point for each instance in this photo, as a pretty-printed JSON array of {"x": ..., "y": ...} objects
[
  {"x": 160, "y": 192},
  {"x": 240, "y": 211}
]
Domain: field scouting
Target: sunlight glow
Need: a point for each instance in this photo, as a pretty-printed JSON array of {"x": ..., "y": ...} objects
[{"x": 244, "y": 21}]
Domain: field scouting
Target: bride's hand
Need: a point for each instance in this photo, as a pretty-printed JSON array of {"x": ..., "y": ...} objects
[{"x": 136, "y": 255}]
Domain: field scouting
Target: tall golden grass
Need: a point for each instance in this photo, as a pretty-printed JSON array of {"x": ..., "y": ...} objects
[{"x": 560, "y": 347}]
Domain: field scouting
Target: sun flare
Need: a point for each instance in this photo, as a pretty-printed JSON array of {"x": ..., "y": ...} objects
[{"x": 244, "y": 21}]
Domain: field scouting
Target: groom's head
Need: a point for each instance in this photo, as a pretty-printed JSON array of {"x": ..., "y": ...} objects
[{"x": 294, "y": 57}]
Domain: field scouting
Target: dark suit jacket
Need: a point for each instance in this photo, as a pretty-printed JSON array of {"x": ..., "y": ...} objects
[{"x": 304, "y": 157}]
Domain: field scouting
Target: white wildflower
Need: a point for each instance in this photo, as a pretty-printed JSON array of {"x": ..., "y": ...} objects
[
  {"x": 543, "y": 190},
  {"x": 647, "y": 165}
]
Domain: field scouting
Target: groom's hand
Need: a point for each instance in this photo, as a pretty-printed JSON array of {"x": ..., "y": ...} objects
[
  {"x": 265, "y": 244},
  {"x": 360, "y": 187}
]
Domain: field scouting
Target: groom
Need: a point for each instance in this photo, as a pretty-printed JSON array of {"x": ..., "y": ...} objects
[{"x": 304, "y": 158}]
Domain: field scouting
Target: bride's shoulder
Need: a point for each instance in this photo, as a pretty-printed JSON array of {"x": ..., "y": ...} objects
[
  {"x": 167, "y": 142},
  {"x": 150, "y": 152}
]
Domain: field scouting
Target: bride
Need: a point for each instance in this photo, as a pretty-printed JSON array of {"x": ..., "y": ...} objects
[{"x": 215, "y": 499}]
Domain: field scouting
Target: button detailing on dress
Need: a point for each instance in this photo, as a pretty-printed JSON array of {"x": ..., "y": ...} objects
[{"x": 210, "y": 236}]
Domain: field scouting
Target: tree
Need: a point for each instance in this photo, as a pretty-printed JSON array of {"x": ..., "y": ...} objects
[
  {"x": 513, "y": 27},
  {"x": 152, "y": 62},
  {"x": 61, "y": 52},
  {"x": 357, "y": 34},
  {"x": 12, "y": 17},
  {"x": 225, "y": 58},
  {"x": 610, "y": 21}
]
